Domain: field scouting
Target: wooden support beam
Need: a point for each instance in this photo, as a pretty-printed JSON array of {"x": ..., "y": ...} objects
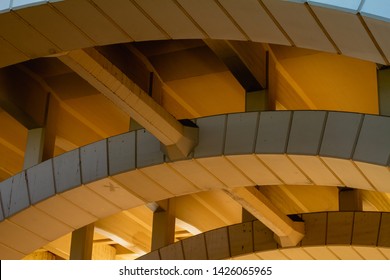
[
  {"x": 282, "y": 88},
  {"x": 34, "y": 147},
  {"x": 163, "y": 232},
  {"x": 383, "y": 76},
  {"x": 350, "y": 200},
  {"x": 40, "y": 255},
  {"x": 257, "y": 101},
  {"x": 248, "y": 62},
  {"x": 177, "y": 139},
  {"x": 286, "y": 232},
  {"x": 81, "y": 243},
  {"x": 255, "y": 56},
  {"x": 103, "y": 252},
  {"x": 230, "y": 56}
]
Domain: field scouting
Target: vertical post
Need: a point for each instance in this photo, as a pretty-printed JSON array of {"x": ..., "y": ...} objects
[
  {"x": 81, "y": 243},
  {"x": 350, "y": 200},
  {"x": 103, "y": 252},
  {"x": 384, "y": 91},
  {"x": 52, "y": 110},
  {"x": 34, "y": 147},
  {"x": 40, "y": 255},
  {"x": 163, "y": 232},
  {"x": 41, "y": 141},
  {"x": 256, "y": 101}
]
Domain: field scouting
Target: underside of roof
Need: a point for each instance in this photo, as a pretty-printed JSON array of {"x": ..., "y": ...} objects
[{"x": 112, "y": 110}]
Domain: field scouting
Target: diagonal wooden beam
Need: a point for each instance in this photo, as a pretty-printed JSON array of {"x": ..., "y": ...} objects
[
  {"x": 230, "y": 55},
  {"x": 286, "y": 232},
  {"x": 177, "y": 139}
]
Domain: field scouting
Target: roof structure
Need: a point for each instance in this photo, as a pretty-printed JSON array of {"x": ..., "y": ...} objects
[{"x": 194, "y": 129}]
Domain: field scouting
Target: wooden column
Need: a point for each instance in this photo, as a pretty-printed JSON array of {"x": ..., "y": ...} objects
[
  {"x": 81, "y": 243},
  {"x": 103, "y": 252},
  {"x": 40, "y": 255},
  {"x": 163, "y": 232},
  {"x": 34, "y": 147},
  {"x": 384, "y": 91},
  {"x": 350, "y": 200}
]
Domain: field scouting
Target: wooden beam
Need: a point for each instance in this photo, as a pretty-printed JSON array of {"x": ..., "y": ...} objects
[
  {"x": 34, "y": 147},
  {"x": 40, "y": 255},
  {"x": 255, "y": 56},
  {"x": 286, "y": 232},
  {"x": 81, "y": 243},
  {"x": 283, "y": 89},
  {"x": 230, "y": 57},
  {"x": 383, "y": 76},
  {"x": 163, "y": 232},
  {"x": 103, "y": 252},
  {"x": 350, "y": 200},
  {"x": 178, "y": 139}
]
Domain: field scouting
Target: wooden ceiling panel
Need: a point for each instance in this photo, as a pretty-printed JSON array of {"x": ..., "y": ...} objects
[
  {"x": 296, "y": 254},
  {"x": 379, "y": 176},
  {"x": 212, "y": 19},
  {"x": 11, "y": 54},
  {"x": 254, "y": 169},
  {"x": 285, "y": 169},
  {"x": 20, "y": 34},
  {"x": 251, "y": 15},
  {"x": 171, "y": 19},
  {"x": 39, "y": 16},
  {"x": 369, "y": 253},
  {"x": 66, "y": 211},
  {"x": 348, "y": 173},
  {"x": 195, "y": 173},
  {"x": 225, "y": 172},
  {"x": 90, "y": 202},
  {"x": 139, "y": 28},
  {"x": 316, "y": 170},
  {"x": 170, "y": 179},
  {"x": 379, "y": 30},
  {"x": 41, "y": 224},
  {"x": 272, "y": 255},
  {"x": 345, "y": 253},
  {"x": 141, "y": 185},
  {"x": 115, "y": 193},
  {"x": 90, "y": 20},
  {"x": 352, "y": 39},
  {"x": 294, "y": 18},
  {"x": 321, "y": 253}
]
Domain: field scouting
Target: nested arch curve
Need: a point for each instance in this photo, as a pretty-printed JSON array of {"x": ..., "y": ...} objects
[
  {"x": 351, "y": 29},
  {"x": 234, "y": 150},
  {"x": 328, "y": 230}
]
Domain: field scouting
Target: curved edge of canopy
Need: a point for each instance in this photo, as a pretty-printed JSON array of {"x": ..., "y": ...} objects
[
  {"x": 64, "y": 193},
  {"x": 351, "y": 29},
  {"x": 325, "y": 232}
]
